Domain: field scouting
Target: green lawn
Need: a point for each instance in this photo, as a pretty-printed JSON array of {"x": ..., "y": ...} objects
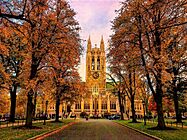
[
  {"x": 15, "y": 133},
  {"x": 10, "y": 123},
  {"x": 169, "y": 122},
  {"x": 185, "y": 122},
  {"x": 178, "y": 134},
  {"x": 173, "y": 121}
]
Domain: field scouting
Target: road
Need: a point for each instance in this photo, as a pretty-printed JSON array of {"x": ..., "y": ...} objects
[{"x": 98, "y": 130}]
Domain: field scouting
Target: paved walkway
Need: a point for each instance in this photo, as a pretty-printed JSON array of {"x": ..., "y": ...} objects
[{"x": 98, "y": 130}]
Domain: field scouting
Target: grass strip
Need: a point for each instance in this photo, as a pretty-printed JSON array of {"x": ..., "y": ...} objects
[
  {"x": 172, "y": 134},
  {"x": 22, "y": 133}
]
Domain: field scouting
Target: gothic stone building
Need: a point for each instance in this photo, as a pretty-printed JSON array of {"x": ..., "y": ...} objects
[{"x": 99, "y": 99}]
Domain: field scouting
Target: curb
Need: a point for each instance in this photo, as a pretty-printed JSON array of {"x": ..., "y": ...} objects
[
  {"x": 151, "y": 136},
  {"x": 46, "y": 134}
]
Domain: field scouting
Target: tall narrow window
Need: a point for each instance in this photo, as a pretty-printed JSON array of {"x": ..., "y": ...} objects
[
  {"x": 95, "y": 89},
  {"x": 104, "y": 105},
  {"x": 112, "y": 105},
  {"x": 95, "y": 106},
  {"x": 78, "y": 105},
  {"x": 93, "y": 63},
  {"x": 98, "y": 63},
  {"x": 89, "y": 63},
  {"x": 86, "y": 105}
]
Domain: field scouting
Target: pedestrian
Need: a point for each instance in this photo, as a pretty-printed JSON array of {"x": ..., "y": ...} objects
[
  {"x": 86, "y": 117},
  {"x": 75, "y": 116}
]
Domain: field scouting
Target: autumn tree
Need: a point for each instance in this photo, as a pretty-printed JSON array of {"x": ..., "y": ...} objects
[
  {"x": 65, "y": 55},
  {"x": 146, "y": 24},
  {"x": 143, "y": 93},
  {"x": 124, "y": 65},
  {"x": 177, "y": 65},
  {"x": 117, "y": 87},
  {"x": 12, "y": 62},
  {"x": 44, "y": 24},
  {"x": 65, "y": 88}
]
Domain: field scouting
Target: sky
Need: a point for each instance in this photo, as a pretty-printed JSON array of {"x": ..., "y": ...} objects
[{"x": 94, "y": 17}]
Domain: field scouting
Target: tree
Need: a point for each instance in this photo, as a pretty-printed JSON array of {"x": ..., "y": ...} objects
[
  {"x": 144, "y": 93},
  {"x": 65, "y": 58},
  {"x": 44, "y": 25},
  {"x": 12, "y": 62},
  {"x": 177, "y": 64},
  {"x": 145, "y": 24},
  {"x": 124, "y": 65},
  {"x": 118, "y": 88}
]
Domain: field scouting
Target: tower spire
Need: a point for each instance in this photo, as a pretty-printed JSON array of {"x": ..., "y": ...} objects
[
  {"x": 89, "y": 45},
  {"x": 102, "y": 45}
]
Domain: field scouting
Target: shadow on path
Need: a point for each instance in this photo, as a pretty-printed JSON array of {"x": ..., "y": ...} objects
[{"x": 98, "y": 130}]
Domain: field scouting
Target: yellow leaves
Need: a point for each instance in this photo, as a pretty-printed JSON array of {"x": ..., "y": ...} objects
[
  {"x": 3, "y": 49},
  {"x": 61, "y": 81},
  {"x": 4, "y": 103},
  {"x": 31, "y": 85},
  {"x": 48, "y": 37},
  {"x": 5, "y": 77},
  {"x": 166, "y": 77}
]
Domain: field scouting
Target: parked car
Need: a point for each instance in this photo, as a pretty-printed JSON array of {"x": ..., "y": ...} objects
[
  {"x": 73, "y": 116},
  {"x": 172, "y": 117},
  {"x": 114, "y": 117},
  {"x": 184, "y": 117}
]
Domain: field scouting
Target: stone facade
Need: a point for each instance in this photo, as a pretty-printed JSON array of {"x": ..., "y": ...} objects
[{"x": 99, "y": 100}]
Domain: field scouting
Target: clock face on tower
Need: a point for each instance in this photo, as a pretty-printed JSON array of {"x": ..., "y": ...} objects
[{"x": 95, "y": 75}]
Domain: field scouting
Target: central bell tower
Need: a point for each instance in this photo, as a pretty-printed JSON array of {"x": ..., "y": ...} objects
[
  {"x": 96, "y": 74},
  {"x": 96, "y": 67}
]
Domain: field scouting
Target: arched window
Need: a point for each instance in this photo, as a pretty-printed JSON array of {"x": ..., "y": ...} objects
[
  {"x": 112, "y": 105},
  {"x": 96, "y": 105},
  {"x": 104, "y": 105},
  {"x": 86, "y": 105},
  {"x": 88, "y": 63},
  {"x": 78, "y": 105},
  {"x": 98, "y": 63},
  {"x": 95, "y": 89}
]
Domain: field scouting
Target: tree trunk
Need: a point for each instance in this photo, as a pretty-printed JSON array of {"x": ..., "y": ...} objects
[
  {"x": 158, "y": 99},
  {"x": 34, "y": 107},
  {"x": 13, "y": 103},
  {"x": 175, "y": 97},
  {"x": 133, "y": 110},
  {"x": 158, "y": 93},
  {"x": 29, "y": 109},
  {"x": 57, "y": 108},
  {"x": 124, "y": 105},
  {"x": 177, "y": 111},
  {"x": 132, "y": 98},
  {"x": 120, "y": 105},
  {"x": 161, "y": 123}
]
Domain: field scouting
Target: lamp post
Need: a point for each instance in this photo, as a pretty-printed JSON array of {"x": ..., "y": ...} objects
[
  {"x": 45, "y": 117},
  {"x": 143, "y": 102},
  {"x": 95, "y": 102}
]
